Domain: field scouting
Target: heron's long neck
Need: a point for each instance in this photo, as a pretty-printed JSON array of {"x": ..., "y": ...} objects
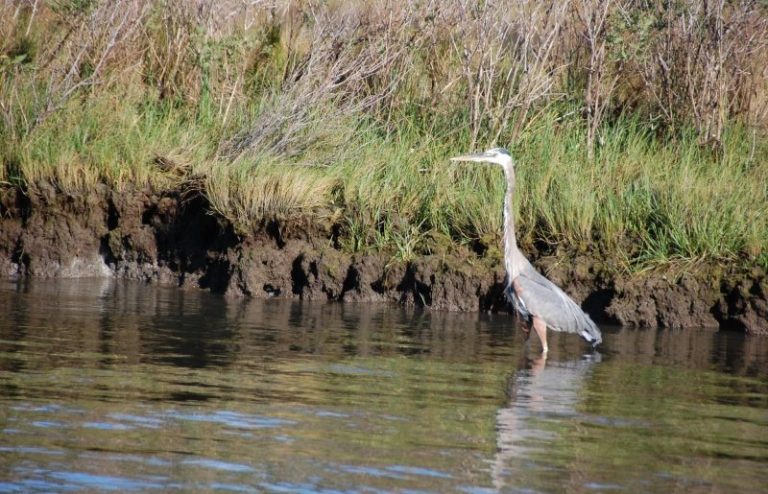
[{"x": 512, "y": 254}]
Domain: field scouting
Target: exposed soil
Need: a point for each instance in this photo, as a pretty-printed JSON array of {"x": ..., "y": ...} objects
[{"x": 173, "y": 237}]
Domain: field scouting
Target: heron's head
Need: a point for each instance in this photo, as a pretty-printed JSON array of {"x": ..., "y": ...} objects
[{"x": 498, "y": 156}]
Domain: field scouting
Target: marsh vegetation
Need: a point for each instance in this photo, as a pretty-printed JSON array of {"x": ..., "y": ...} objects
[{"x": 639, "y": 127}]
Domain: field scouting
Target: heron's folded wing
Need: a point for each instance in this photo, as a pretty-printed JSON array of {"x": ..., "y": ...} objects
[{"x": 546, "y": 300}]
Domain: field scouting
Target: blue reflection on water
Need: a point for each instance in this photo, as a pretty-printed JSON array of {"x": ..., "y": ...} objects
[
  {"x": 107, "y": 426},
  {"x": 103, "y": 482},
  {"x": 231, "y": 419},
  {"x": 137, "y": 420},
  {"x": 224, "y": 466}
]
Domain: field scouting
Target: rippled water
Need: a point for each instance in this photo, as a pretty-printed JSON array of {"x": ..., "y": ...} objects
[{"x": 113, "y": 386}]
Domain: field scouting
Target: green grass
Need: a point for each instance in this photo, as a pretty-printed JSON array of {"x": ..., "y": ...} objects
[
  {"x": 646, "y": 198},
  {"x": 643, "y": 201}
]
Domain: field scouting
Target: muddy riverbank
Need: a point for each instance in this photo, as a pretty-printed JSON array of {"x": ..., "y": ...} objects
[{"x": 173, "y": 237}]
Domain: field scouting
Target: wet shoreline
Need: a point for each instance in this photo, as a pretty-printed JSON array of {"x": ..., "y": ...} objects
[{"x": 174, "y": 238}]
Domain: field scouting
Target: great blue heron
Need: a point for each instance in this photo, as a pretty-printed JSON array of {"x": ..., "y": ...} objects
[{"x": 540, "y": 303}]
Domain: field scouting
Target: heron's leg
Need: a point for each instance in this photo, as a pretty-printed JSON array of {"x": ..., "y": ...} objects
[
  {"x": 541, "y": 329},
  {"x": 526, "y": 327}
]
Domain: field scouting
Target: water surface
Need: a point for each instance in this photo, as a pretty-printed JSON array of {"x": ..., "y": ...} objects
[{"x": 117, "y": 386}]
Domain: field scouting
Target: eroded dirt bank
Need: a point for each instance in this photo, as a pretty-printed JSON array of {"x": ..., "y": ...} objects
[{"x": 173, "y": 237}]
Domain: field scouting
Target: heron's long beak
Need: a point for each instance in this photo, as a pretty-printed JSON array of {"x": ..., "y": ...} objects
[{"x": 474, "y": 157}]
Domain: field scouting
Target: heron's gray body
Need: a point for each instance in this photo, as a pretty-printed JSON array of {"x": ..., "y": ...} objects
[{"x": 533, "y": 296}]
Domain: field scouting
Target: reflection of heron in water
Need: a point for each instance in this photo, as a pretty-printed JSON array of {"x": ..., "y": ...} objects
[
  {"x": 537, "y": 392},
  {"x": 539, "y": 302}
]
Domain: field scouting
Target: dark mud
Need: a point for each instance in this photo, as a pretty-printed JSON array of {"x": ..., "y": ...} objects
[{"x": 173, "y": 237}]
